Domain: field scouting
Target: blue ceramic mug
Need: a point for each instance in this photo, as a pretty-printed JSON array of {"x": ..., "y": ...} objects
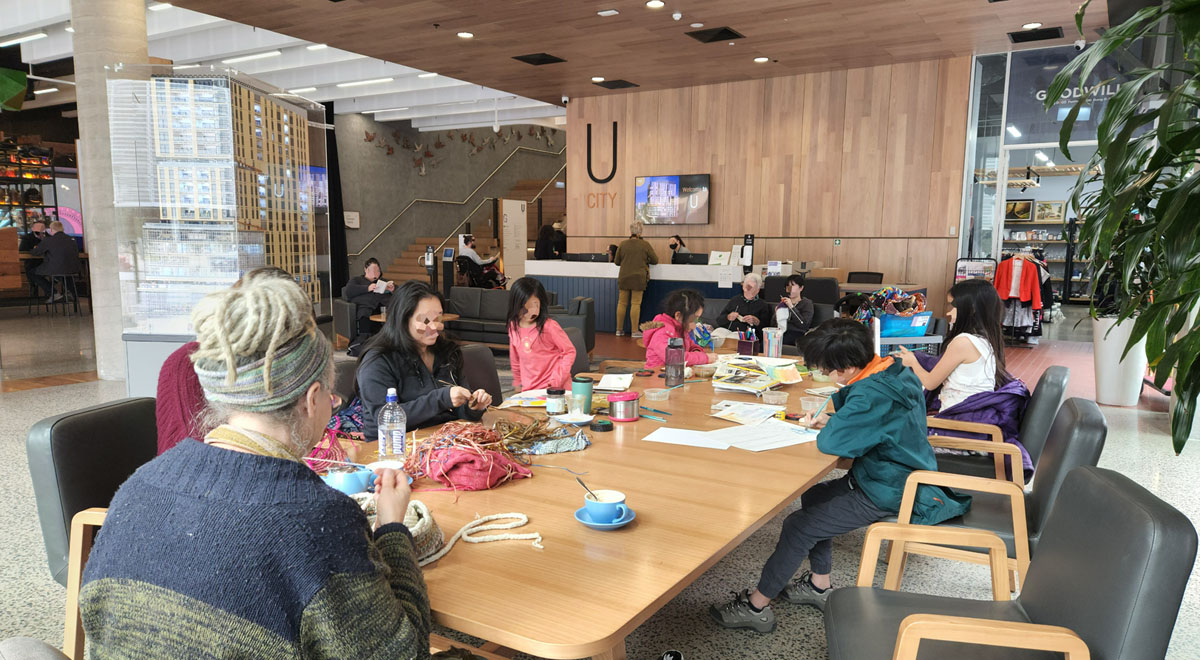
[
  {"x": 349, "y": 482},
  {"x": 610, "y": 507}
]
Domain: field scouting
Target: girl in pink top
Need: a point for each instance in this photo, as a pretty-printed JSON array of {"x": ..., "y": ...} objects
[
  {"x": 683, "y": 307},
  {"x": 540, "y": 351}
]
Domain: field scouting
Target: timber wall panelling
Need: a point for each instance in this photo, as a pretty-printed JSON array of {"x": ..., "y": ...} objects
[{"x": 873, "y": 157}]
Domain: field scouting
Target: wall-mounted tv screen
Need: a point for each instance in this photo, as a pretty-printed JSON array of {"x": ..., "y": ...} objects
[{"x": 675, "y": 199}]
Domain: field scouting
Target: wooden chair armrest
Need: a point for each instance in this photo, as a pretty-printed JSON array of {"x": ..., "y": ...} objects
[
  {"x": 998, "y": 450},
  {"x": 79, "y": 547},
  {"x": 1011, "y": 634},
  {"x": 898, "y": 533},
  {"x": 971, "y": 427}
]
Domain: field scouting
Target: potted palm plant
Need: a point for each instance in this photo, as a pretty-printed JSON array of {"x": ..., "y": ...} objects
[{"x": 1139, "y": 231}]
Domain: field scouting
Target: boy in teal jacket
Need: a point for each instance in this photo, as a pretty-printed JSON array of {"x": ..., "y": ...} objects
[{"x": 880, "y": 423}]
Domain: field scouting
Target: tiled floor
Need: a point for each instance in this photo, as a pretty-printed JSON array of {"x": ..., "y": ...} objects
[
  {"x": 1138, "y": 445},
  {"x": 32, "y": 346}
]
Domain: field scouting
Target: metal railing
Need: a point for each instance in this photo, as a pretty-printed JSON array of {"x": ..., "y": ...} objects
[{"x": 467, "y": 198}]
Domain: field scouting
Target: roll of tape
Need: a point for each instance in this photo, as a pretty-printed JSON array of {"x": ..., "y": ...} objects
[{"x": 601, "y": 425}]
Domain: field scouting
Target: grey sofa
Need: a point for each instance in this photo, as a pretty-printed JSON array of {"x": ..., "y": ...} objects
[{"x": 483, "y": 315}]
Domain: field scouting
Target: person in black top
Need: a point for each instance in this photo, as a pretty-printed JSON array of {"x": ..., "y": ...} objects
[
  {"x": 544, "y": 248},
  {"x": 60, "y": 256},
  {"x": 29, "y": 241},
  {"x": 793, "y": 313},
  {"x": 412, "y": 354},
  {"x": 560, "y": 237},
  {"x": 747, "y": 311},
  {"x": 364, "y": 292}
]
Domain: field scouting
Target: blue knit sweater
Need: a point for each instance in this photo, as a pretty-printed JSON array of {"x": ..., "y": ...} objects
[{"x": 222, "y": 554}]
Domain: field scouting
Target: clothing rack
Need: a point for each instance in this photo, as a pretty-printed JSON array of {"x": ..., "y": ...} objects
[{"x": 1027, "y": 295}]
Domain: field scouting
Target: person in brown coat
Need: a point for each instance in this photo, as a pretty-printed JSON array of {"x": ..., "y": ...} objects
[{"x": 634, "y": 256}]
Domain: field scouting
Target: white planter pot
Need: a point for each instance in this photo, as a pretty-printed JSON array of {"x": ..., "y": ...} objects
[{"x": 1118, "y": 382}]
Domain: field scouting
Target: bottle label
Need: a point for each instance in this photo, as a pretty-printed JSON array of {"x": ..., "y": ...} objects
[{"x": 398, "y": 441}]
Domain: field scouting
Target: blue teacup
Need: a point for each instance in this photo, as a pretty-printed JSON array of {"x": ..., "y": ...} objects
[
  {"x": 349, "y": 481},
  {"x": 609, "y": 508}
]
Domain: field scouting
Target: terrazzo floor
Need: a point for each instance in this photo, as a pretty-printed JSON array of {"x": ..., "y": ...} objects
[{"x": 1138, "y": 445}]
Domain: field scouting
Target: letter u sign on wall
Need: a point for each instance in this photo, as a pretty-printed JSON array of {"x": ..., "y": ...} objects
[{"x": 611, "y": 174}]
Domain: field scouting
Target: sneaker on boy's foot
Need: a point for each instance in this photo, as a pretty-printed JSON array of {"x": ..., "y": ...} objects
[
  {"x": 738, "y": 614},
  {"x": 802, "y": 592},
  {"x": 636, "y": 335},
  {"x": 671, "y": 655},
  {"x": 620, "y": 333}
]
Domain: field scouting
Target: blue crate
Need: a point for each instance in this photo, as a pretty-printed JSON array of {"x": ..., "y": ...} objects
[{"x": 891, "y": 325}]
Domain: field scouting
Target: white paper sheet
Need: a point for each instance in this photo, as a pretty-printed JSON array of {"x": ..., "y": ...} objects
[
  {"x": 773, "y": 434},
  {"x": 685, "y": 437},
  {"x": 742, "y": 412},
  {"x": 614, "y": 383}
]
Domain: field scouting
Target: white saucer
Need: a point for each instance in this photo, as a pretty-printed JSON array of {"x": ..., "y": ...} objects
[{"x": 573, "y": 419}]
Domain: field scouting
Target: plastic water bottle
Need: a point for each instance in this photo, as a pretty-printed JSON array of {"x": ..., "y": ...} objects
[
  {"x": 393, "y": 424},
  {"x": 674, "y": 361}
]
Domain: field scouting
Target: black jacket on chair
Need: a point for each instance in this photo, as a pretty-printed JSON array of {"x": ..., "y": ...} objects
[
  {"x": 60, "y": 255},
  {"x": 424, "y": 396}
]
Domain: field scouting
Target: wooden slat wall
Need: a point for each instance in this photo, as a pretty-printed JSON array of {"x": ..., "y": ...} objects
[{"x": 869, "y": 157}]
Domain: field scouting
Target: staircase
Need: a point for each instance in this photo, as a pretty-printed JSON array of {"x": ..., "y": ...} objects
[
  {"x": 554, "y": 204},
  {"x": 406, "y": 267}
]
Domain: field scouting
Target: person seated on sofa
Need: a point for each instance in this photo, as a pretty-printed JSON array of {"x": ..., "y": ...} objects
[
  {"x": 793, "y": 313},
  {"x": 747, "y": 311},
  {"x": 540, "y": 351},
  {"x": 290, "y": 567},
  {"x": 681, "y": 310},
  {"x": 413, "y": 355},
  {"x": 369, "y": 295}
]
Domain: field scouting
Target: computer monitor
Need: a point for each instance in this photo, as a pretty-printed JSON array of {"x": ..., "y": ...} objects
[{"x": 694, "y": 258}]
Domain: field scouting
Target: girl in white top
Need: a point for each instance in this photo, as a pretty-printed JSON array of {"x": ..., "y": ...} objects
[{"x": 973, "y": 361}]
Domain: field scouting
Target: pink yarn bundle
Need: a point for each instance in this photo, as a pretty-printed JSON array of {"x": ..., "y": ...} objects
[{"x": 466, "y": 469}]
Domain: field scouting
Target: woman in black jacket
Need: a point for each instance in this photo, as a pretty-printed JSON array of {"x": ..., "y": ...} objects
[
  {"x": 412, "y": 354},
  {"x": 544, "y": 247}
]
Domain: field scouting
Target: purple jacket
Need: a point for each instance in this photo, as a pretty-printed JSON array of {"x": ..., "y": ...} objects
[{"x": 1003, "y": 407}]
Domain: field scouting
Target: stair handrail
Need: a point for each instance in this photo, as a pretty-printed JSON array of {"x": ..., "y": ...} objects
[
  {"x": 487, "y": 199},
  {"x": 465, "y": 199}
]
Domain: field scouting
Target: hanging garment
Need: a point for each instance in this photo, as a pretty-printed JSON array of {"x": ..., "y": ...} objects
[{"x": 1017, "y": 278}]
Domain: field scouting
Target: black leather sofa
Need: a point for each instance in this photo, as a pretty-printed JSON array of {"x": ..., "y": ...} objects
[{"x": 483, "y": 315}]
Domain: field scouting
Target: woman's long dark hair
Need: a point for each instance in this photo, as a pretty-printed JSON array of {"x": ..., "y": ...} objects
[
  {"x": 522, "y": 290},
  {"x": 679, "y": 240},
  {"x": 980, "y": 312},
  {"x": 395, "y": 338},
  {"x": 546, "y": 232},
  {"x": 685, "y": 302}
]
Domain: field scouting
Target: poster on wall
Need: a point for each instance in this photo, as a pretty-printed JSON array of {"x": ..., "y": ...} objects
[
  {"x": 515, "y": 237},
  {"x": 1049, "y": 211}
]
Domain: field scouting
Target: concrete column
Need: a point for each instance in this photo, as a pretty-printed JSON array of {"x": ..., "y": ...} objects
[{"x": 106, "y": 32}]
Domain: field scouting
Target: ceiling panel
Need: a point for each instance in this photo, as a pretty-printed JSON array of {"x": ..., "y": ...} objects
[{"x": 647, "y": 46}]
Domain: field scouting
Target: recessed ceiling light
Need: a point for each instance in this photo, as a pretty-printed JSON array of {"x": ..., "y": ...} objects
[
  {"x": 465, "y": 35},
  {"x": 70, "y": 28},
  {"x": 1012, "y": 130},
  {"x": 731, "y": 43},
  {"x": 45, "y": 91},
  {"x": 697, "y": 25},
  {"x": 20, "y": 40},
  {"x": 1041, "y": 156},
  {"x": 301, "y": 90},
  {"x": 761, "y": 60},
  {"x": 318, "y": 46},
  {"x": 181, "y": 67},
  {"x": 360, "y": 83},
  {"x": 608, "y": 12},
  {"x": 427, "y": 75},
  {"x": 256, "y": 56},
  {"x": 656, "y": 4},
  {"x": 597, "y": 78},
  {"x": 1031, "y": 26},
  {"x": 161, "y": 6}
]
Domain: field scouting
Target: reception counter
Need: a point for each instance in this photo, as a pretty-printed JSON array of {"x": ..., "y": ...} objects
[{"x": 599, "y": 281}]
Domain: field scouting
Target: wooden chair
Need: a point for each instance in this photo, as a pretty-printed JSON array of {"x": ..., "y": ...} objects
[
  {"x": 83, "y": 530},
  {"x": 1108, "y": 580},
  {"x": 1002, "y": 507}
]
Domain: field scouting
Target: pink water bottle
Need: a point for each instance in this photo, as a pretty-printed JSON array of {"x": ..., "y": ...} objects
[{"x": 674, "y": 361}]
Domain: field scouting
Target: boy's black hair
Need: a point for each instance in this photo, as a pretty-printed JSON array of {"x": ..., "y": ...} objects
[
  {"x": 370, "y": 262},
  {"x": 838, "y": 344}
]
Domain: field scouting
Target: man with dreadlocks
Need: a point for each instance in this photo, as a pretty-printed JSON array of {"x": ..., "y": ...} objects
[{"x": 231, "y": 547}]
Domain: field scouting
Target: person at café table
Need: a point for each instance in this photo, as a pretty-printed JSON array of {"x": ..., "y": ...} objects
[
  {"x": 747, "y": 311},
  {"x": 233, "y": 547},
  {"x": 412, "y": 354},
  {"x": 879, "y": 421}
]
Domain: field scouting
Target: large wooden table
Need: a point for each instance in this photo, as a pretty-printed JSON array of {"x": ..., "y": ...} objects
[{"x": 587, "y": 590}]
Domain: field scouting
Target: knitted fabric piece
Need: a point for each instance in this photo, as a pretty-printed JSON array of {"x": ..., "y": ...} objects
[
  {"x": 295, "y": 366},
  {"x": 462, "y": 469}
]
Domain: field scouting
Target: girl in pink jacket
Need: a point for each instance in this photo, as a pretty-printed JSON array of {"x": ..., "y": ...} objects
[
  {"x": 682, "y": 308},
  {"x": 539, "y": 349}
]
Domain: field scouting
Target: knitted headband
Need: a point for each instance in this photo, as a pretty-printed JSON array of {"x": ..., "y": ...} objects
[{"x": 269, "y": 383}]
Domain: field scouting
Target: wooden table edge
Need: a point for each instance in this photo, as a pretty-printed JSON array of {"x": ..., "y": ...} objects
[{"x": 606, "y": 644}]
